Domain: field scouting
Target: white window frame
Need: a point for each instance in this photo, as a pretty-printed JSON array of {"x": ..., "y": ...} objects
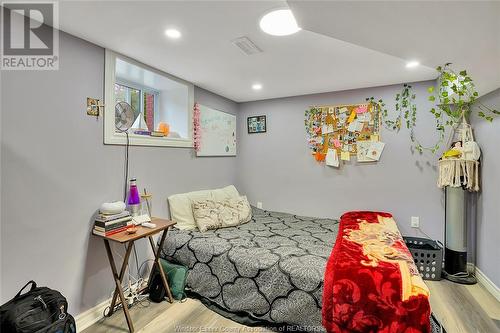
[
  {"x": 111, "y": 136},
  {"x": 142, "y": 89}
]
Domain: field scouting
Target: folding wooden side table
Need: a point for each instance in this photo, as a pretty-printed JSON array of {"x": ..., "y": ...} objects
[{"x": 129, "y": 239}]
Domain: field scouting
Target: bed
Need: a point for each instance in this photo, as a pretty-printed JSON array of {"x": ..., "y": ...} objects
[{"x": 270, "y": 268}]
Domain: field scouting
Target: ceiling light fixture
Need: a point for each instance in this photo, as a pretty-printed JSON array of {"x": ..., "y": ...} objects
[
  {"x": 280, "y": 22},
  {"x": 173, "y": 33},
  {"x": 257, "y": 86},
  {"x": 412, "y": 64}
]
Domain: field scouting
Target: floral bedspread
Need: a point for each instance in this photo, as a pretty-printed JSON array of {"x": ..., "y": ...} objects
[{"x": 371, "y": 282}]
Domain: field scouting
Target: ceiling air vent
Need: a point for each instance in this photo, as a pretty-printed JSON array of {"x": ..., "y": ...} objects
[{"x": 246, "y": 45}]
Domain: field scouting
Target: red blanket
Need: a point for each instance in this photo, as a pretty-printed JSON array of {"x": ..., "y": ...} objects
[{"x": 371, "y": 282}]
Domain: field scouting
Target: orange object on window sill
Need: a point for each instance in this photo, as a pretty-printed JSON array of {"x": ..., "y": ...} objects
[{"x": 164, "y": 128}]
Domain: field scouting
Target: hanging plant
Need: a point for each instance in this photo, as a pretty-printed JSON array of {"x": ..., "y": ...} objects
[
  {"x": 405, "y": 109},
  {"x": 454, "y": 95},
  {"x": 406, "y": 112}
]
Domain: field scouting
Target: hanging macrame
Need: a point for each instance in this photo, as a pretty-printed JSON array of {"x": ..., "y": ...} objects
[{"x": 460, "y": 165}]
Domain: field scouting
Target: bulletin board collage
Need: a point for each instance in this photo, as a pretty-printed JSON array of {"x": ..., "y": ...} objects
[{"x": 336, "y": 133}]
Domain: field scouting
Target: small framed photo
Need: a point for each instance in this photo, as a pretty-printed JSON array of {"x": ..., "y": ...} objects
[{"x": 256, "y": 124}]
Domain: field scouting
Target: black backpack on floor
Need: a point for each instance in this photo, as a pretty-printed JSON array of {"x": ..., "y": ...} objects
[{"x": 40, "y": 310}]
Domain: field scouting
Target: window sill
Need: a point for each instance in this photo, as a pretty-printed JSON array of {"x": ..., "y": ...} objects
[{"x": 142, "y": 140}]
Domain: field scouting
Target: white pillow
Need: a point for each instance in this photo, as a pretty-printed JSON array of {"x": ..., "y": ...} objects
[
  {"x": 181, "y": 210},
  {"x": 228, "y": 192}
]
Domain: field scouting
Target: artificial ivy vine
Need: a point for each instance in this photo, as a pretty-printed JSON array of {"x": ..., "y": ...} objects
[
  {"x": 406, "y": 111},
  {"x": 454, "y": 96}
]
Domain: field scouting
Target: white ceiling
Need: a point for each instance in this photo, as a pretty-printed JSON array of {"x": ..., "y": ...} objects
[
  {"x": 348, "y": 48},
  {"x": 465, "y": 33}
]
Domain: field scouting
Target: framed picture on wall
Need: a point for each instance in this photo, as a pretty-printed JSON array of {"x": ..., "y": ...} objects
[{"x": 256, "y": 124}]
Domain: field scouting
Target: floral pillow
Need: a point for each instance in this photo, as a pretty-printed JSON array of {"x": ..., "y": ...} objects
[
  {"x": 228, "y": 215},
  {"x": 211, "y": 214},
  {"x": 241, "y": 206},
  {"x": 206, "y": 214}
]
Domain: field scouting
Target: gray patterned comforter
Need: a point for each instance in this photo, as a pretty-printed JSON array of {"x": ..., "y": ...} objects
[{"x": 270, "y": 268}]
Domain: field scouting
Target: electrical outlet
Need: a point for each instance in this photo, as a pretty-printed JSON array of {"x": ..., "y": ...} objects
[
  {"x": 259, "y": 204},
  {"x": 415, "y": 222}
]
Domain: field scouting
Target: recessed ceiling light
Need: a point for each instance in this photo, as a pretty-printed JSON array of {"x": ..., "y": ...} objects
[
  {"x": 280, "y": 22},
  {"x": 412, "y": 64},
  {"x": 256, "y": 86},
  {"x": 173, "y": 33}
]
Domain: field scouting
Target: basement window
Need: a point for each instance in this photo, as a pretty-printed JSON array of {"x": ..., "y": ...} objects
[
  {"x": 144, "y": 100},
  {"x": 161, "y": 103}
]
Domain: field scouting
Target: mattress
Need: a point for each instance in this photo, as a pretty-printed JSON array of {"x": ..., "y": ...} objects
[{"x": 270, "y": 268}]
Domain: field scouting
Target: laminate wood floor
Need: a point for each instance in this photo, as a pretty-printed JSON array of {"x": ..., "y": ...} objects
[
  {"x": 460, "y": 308},
  {"x": 464, "y": 309}
]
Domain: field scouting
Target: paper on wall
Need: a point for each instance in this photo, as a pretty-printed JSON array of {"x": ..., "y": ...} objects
[
  {"x": 374, "y": 137},
  {"x": 345, "y": 156},
  {"x": 343, "y": 110},
  {"x": 362, "y": 148},
  {"x": 362, "y": 109},
  {"x": 364, "y": 117},
  {"x": 325, "y": 129},
  {"x": 336, "y": 143},
  {"x": 355, "y": 126},
  {"x": 359, "y": 126},
  {"x": 342, "y": 118},
  {"x": 352, "y": 126},
  {"x": 332, "y": 159},
  {"x": 351, "y": 116},
  {"x": 375, "y": 150}
]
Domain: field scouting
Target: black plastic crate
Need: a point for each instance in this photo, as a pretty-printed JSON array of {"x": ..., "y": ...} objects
[{"x": 428, "y": 257}]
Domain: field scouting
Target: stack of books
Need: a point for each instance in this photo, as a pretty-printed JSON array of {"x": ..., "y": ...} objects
[{"x": 107, "y": 225}]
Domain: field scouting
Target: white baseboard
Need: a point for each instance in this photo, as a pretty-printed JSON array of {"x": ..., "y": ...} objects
[
  {"x": 91, "y": 316},
  {"x": 488, "y": 284}
]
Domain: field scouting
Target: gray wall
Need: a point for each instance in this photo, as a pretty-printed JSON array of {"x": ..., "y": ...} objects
[
  {"x": 277, "y": 168},
  {"x": 56, "y": 171},
  {"x": 488, "y": 208}
]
